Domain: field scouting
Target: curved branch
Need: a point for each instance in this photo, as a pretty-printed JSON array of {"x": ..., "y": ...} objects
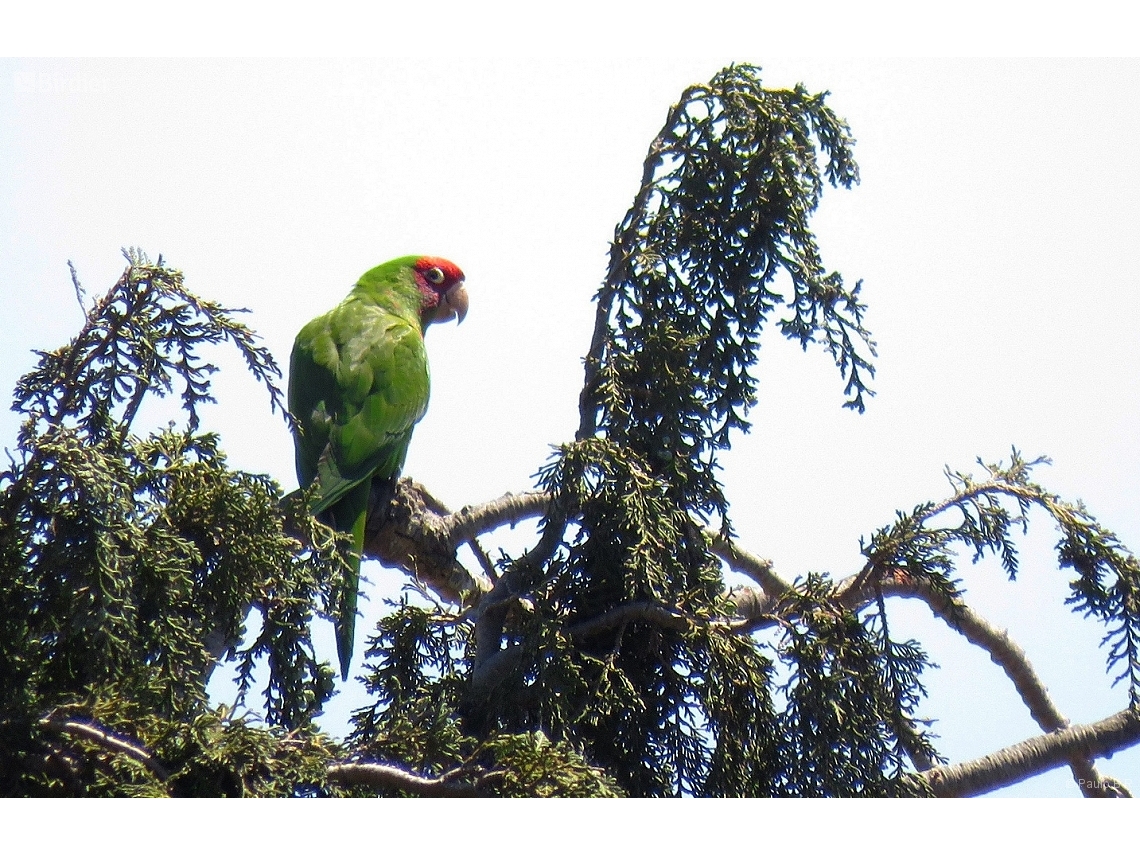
[
  {"x": 641, "y": 610},
  {"x": 854, "y": 593},
  {"x": 416, "y": 533},
  {"x": 1003, "y": 651},
  {"x": 491, "y": 661},
  {"x": 92, "y": 732},
  {"x": 759, "y": 570},
  {"x": 509, "y": 509},
  {"x": 985, "y": 488},
  {"x": 379, "y": 775},
  {"x": 407, "y": 529},
  {"x": 1039, "y": 754},
  {"x": 421, "y": 536}
]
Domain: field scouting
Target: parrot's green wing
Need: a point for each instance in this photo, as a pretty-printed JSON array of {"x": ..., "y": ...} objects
[{"x": 358, "y": 383}]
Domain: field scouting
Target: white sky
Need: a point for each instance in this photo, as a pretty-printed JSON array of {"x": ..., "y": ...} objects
[{"x": 994, "y": 229}]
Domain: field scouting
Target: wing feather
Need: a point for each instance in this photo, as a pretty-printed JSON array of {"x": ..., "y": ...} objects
[{"x": 358, "y": 384}]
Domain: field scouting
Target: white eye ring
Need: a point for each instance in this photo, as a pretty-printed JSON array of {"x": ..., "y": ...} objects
[{"x": 434, "y": 276}]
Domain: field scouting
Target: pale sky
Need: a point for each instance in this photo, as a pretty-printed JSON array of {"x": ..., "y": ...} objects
[{"x": 994, "y": 228}]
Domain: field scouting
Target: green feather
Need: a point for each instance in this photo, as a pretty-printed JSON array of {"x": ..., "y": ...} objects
[
  {"x": 351, "y": 514},
  {"x": 358, "y": 383}
]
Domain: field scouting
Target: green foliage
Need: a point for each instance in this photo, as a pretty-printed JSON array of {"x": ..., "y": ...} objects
[
  {"x": 849, "y": 699},
  {"x": 127, "y": 563},
  {"x": 682, "y": 706},
  {"x": 609, "y": 659},
  {"x": 645, "y": 696},
  {"x": 417, "y": 681},
  {"x": 207, "y": 755},
  {"x": 417, "y": 721},
  {"x": 614, "y": 634},
  {"x": 1107, "y": 574},
  {"x": 140, "y": 338},
  {"x": 724, "y": 209},
  {"x": 539, "y": 767}
]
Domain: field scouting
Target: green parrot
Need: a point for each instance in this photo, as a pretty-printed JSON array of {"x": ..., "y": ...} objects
[{"x": 358, "y": 383}]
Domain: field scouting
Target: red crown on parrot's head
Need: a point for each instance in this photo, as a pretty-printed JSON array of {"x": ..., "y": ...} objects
[
  {"x": 441, "y": 284},
  {"x": 426, "y": 265}
]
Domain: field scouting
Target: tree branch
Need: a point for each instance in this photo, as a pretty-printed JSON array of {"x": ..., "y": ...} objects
[
  {"x": 1039, "y": 754},
  {"x": 854, "y": 593},
  {"x": 625, "y": 242},
  {"x": 379, "y": 775},
  {"x": 640, "y": 610},
  {"x": 759, "y": 570},
  {"x": 492, "y": 662},
  {"x": 411, "y": 532},
  {"x": 985, "y": 488},
  {"x": 509, "y": 509},
  {"x": 92, "y": 732},
  {"x": 419, "y": 535},
  {"x": 1003, "y": 651}
]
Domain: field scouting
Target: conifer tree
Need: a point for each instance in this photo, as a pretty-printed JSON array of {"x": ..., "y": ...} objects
[{"x": 609, "y": 658}]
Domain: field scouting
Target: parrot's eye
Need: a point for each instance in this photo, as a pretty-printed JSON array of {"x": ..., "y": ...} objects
[{"x": 434, "y": 276}]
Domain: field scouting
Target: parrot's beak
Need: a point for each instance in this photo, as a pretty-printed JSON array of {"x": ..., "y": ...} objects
[{"x": 456, "y": 301}]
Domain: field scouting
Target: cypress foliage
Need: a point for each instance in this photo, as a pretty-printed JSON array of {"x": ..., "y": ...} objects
[{"x": 608, "y": 659}]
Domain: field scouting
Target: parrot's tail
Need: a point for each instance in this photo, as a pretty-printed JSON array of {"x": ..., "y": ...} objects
[{"x": 351, "y": 514}]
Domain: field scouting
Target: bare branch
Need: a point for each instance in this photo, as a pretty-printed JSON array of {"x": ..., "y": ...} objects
[
  {"x": 759, "y": 570},
  {"x": 411, "y": 532},
  {"x": 1004, "y": 652},
  {"x": 509, "y": 509},
  {"x": 379, "y": 775},
  {"x": 417, "y": 534},
  {"x": 641, "y": 610},
  {"x": 1039, "y": 754},
  {"x": 92, "y": 732}
]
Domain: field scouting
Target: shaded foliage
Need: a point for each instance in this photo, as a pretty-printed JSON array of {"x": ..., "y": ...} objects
[
  {"x": 1107, "y": 575},
  {"x": 609, "y": 659},
  {"x": 846, "y": 677},
  {"x": 721, "y": 220},
  {"x": 120, "y": 555},
  {"x": 728, "y": 189}
]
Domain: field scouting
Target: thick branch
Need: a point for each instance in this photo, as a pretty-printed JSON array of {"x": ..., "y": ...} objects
[
  {"x": 641, "y": 610},
  {"x": 759, "y": 570},
  {"x": 421, "y": 536},
  {"x": 378, "y": 775},
  {"x": 855, "y": 592},
  {"x": 1034, "y": 756},
  {"x": 491, "y": 661},
  {"x": 91, "y": 732},
  {"x": 492, "y": 666},
  {"x": 463, "y": 525},
  {"x": 1003, "y": 651},
  {"x": 416, "y": 533}
]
